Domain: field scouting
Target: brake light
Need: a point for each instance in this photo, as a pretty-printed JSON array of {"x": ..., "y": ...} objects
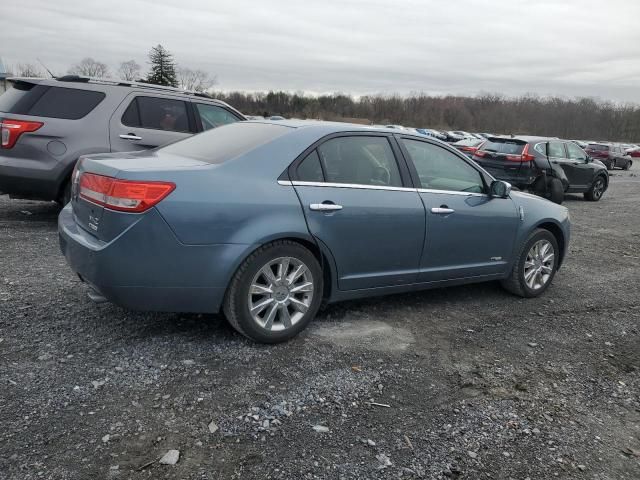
[
  {"x": 525, "y": 156},
  {"x": 123, "y": 195},
  {"x": 10, "y": 130},
  {"x": 480, "y": 153}
]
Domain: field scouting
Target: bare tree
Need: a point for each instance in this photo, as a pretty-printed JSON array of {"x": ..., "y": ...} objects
[
  {"x": 90, "y": 68},
  {"x": 28, "y": 70},
  {"x": 195, "y": 80},
  {"x": 129, "y": 70}
]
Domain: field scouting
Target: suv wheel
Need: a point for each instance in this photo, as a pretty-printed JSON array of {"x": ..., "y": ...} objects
[
  {"x": 628, "y": 165},
  {"x": 536, "y": 265},
  {"x": 611, "y": 165},
  {"x": 553, "y": 191},
  {"x": 275, "y": 293},
  {"x": 597, "y": 189}
]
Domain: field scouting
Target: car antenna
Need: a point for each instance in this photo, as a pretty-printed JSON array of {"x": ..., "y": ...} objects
[{"x": 45, "y": 67}]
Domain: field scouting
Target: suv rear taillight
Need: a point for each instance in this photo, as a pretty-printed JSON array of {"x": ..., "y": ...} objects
[
  {"x": 10, "y": 130},
  {"x": 525, "y": 156},
  {"x": 123, "y": 195}
]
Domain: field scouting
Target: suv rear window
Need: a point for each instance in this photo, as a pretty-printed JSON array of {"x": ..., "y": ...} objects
[
  {"x": 506, "y": 146},
  {"x": 229, "y": 141},
  {"x": 596, "y": 146},
  {"x": 52, "y": 102}
]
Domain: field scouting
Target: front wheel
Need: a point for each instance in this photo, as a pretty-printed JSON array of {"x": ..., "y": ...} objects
[
  {"x": 535, "y": 266},
  {"x": 597, "y": 189},
  {"x": 275, "y": 293}
]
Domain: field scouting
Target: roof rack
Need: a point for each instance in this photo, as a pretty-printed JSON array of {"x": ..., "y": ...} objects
[{"x": 126, "y": 83}]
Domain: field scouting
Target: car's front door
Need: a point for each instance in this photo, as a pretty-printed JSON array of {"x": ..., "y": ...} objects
[
  {"x": 358, "y": 202},
  {"x": 144, "y": 121},
  {"x": 577, "y": 168},
  {"x": 469, "y": 234}
]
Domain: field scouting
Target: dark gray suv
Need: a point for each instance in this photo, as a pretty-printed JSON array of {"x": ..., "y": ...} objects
[{"x": 47, "y": 124}]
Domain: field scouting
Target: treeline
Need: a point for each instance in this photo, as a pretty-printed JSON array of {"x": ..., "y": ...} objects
[{"x": 582, "y": 118}]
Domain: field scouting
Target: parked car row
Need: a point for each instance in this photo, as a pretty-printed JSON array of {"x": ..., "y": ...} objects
[{"x": 266, "y": 219}]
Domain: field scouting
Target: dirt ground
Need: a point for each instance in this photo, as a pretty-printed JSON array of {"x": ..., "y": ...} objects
[{"x": 467, "y": 382}]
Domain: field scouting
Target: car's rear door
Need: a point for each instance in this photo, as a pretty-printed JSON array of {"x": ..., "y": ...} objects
[
  {"x": 148, "y": 120},
  {"x": 468, "y": 234},
  {"x": 358, "y": 201}
]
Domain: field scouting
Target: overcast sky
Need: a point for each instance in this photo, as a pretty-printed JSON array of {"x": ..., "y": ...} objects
[{"x": 562, "y": 47}]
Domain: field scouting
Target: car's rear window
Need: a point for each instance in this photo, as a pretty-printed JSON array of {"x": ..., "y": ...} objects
[
  {"x": 506, "y": 146},
  {"x": 229, "y": 141},
  {"x": 52, "y": 102},
  {"x": 596, "y": 146}
]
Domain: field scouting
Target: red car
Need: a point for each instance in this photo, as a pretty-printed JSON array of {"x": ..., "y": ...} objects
[{"x": 611, "y": 155}]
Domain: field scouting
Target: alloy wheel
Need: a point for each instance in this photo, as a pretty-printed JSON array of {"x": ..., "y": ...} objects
[
  {"x": 538, "y": 267},
  {"x": 280, "y": 294},
  {"x": 598, "y": 189}
]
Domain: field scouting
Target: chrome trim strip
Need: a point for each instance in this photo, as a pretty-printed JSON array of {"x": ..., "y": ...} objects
[
  {"x": 451, "y": 192},
  {"x": 351, "y": 185},
  {"x": 285, "y": 183}
]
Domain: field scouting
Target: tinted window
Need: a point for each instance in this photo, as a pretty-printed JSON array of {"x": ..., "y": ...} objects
[
  {"x": 131, "y": 116},
  {"x": 310, "y": 170},
  {"x": 213, "y": 116},
  {"x": 556, "y": 150},
  {"x": 360, "y": 160},
  {"x": 52, "y": 102},
  {"x": 575, "y": 152},
  {"x": 221, "y": 144},
  {"x": 439, "y": 169},
  {"x": 503, "y": 146},
  {"x": 157, "y": 114}
]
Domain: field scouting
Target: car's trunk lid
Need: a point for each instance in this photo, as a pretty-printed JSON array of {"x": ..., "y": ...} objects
[{"x": 152, "y": 166}]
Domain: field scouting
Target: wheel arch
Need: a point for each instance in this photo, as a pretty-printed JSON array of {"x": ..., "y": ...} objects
[
  {"x": 317, "y": 248},
  {"x": 557, "y": 232}
]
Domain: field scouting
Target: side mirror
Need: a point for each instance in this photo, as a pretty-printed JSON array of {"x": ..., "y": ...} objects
[{"x": 500, "y": 189}]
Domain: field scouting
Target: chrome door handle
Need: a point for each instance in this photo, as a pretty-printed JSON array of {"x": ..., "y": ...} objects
[
  {"x": 130, "y": 136},
  {"x": 442, "y": 210},
  {"x": 325, "y": 207}
]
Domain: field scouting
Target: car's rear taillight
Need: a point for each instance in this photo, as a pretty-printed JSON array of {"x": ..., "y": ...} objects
[
  {"x": 479, "y": 153},
  {"x": 525, "y": 156},
  {"x": 10, "y": 130},
  {"x": 123, "y": 195}
]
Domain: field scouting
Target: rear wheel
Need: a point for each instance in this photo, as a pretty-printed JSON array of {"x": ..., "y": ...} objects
[
  {"x": 597, "y": 189},
  {"x": 553, "y": 191},
  {"x": 275, "y": 293},
  {"x": 628, "y": 165},
  {"x": 536, "y": 265},
  {"x": 611, "y": 165}
]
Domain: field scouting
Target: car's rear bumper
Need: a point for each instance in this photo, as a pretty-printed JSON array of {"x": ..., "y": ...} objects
[
  {"x": 31, "y": 179},
  {"x": 147, "y": 268}
]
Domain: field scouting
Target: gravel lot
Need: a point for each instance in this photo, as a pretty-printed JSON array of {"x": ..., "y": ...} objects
[{"x": 478, "y": 383}]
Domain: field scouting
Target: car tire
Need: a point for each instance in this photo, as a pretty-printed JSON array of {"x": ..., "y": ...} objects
[
  {"x": 628, "y": 165},
  {"x": 556, "y": 191},
  {"x": 597, "y": 189},
  {"x": 611, "y": 165},
  {"x": 553, "y": 191},
  {"x": 531, "y": 260},
  {"x": 275, "y": 308}
]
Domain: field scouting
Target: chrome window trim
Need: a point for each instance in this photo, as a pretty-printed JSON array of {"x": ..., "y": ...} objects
[
  {"x": 351, "y": 185},
  {"x": 451, "y": 192},
  {"x": 300, "y": 183}
]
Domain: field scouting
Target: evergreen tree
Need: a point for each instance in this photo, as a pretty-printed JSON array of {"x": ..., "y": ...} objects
[{"x": 163, "y": 68}]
